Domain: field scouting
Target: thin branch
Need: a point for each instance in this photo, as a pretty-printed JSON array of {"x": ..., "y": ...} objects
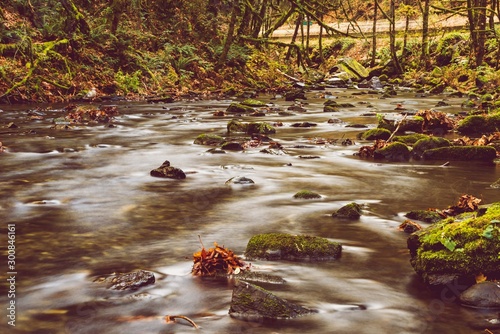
[{"x": 171, "y": 318}]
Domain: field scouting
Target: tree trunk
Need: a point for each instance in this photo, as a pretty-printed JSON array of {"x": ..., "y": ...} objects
[
  {"x": 230, "y": 35},
  {"x": 76, "y": 15},
  {"x": 476, "y": 13},
  {"x": 392, "y": 38},
  {"x": 424, "y": 55},
  {"x": 374, "y": 37},
  {"x": 294, "y": 36}
]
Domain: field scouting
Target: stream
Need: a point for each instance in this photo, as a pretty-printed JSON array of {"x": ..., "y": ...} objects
[{"x": 83, "y": 204}]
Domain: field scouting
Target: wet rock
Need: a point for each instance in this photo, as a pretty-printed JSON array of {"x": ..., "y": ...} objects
[
  {"x": 356, "y": 126},
  {"x": 238, "y": 108},
  {"x": 161, "y": 99},
  {"x": 495, "y": 184},
  {"x": 250, "y": 128},
  {"x": 12, "y": 125},
  {"x": 309, "y": 157},
  {"x": 349, "y": 211},
  {"x": 253, "y": 103},
  {"x": 393, "y": 152},
  {"x": 374, "y": 134},
  {"x": 428, "y": 143},
  {"x": 167, "y": 171},
  {"x": 306, "y": 194},
  {"x": 216, "y": 151},
  {"x": 465, "y": 153},
  {"x": 282, "y": 246},
  {"x": 428, "y": 216},
  {"x": 252, "y": 303},
  {"x": 409, "y": 227},
  {"x": 240, "y": 180},
  {"x": 297, "y": 94},
  {"x": 304, "y": 125},
  {"x": 375, "y": 83},
  {"x": 128, "y": 281},
  {"x": 353, "y": 69},
  {"x": 478, "y": 124},
  {"x": 297, "y": 108},
  {"x": 410, "y": 139},
  {"x": 209, "y": 139},
  {"x": 482, "y": 295},
  {"x": 232, "y": 146},
  {"x": 454, "y": 251}
]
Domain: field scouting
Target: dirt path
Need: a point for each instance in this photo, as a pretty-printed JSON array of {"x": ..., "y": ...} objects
[{"x": 366, "y": 27}]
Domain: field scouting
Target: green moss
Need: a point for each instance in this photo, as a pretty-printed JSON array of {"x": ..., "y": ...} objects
[
  {"x": 253, "y": 103},
  {"x": 236, "y": 126},
  {"x": 239, "y": 108},
  {"x": 374, "y": 134},
  {"x": 306, "y": 194},
  {"x": 473, "y": 125},
  {"x": 349, "y": 211},
  {"x": 208, "y": 139},
  {"x": 428, "y": 143},
  {"x": 393, "y": 152},
  {"x": 466, "y": 153},
  {"x": 466, "y": 247},
  {"x": 410, "y": 139},
  {"x": 292, "y": 247},
  {"x": 261, "y": 127},
  {"x": 424, "y": 215}
]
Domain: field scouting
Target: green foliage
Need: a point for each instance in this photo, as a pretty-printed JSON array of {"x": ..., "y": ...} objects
[{"x": 128, "y": 82}]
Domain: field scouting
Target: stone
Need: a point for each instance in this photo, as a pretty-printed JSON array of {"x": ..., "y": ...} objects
[
  {"x": 393, "y": 152},
  {"x": 252, "y": 303},
  {"x": 464, "y": 153},
  {"x": 282, "y": 246},
  {"x": 349, "y": 211},
  {"x": 128, "y": 281},
  {"x": 240, "y": 180},
  {"x": 232, "y": 146},
  {"x": 167, "y": 171},
  {"x": 482, "y": 295},
  {"x": 253, "y": 103},
  {"x": 306, "y": 194},
  {"x": 296, "y": 94},
  {"x": 209, "y": 139},
  {"x": 238, "y": 108}
]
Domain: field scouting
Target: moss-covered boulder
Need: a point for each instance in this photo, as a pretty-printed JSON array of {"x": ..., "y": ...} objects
[
  {"x": 282, "y": 246},
  {"x": 238, "y": 108},
  {"x": 253, "y": 103},
  {"x": 349, "y": 211},
  {"x": 374, "y": 134},
  {"x": 252, "y": 303},
  {"x": 353, "y": 68},
  {"x": 428, "y": 216},
  {"x": 466, "y": 153},
  {"x": 167, "y": 171},
  {"x": 306, "y": 194},
  {"x": 475, "y": 125},
  {"x": 232, "y": 146},
  {"x": 409, "y": 139},
  {"x": 209, "y": 139},
  {"x": 455, "y": 249},
  {"x": 393, "y": 152},
  {"x": 428, "y": 143},
  {"x": 250, "y": 128}
]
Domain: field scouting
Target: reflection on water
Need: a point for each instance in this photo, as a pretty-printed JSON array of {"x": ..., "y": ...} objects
[{"x": 84, "y": 205}]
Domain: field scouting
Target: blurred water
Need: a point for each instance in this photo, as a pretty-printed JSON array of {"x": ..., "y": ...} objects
[{"x": 84, "y": 205}]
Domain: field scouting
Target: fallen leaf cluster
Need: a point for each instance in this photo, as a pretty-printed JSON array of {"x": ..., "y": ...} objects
[
  {"x": 435, "y": 119},
  {"x": 483, "y": 141},
  {"x": 81, "y": 115},
  {"x": 369, "y": 151},
  {"x": 466, "y": 203},
  {"x": 216, "y": 260}
]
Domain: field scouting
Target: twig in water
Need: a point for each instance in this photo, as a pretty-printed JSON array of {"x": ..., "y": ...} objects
[{"x": 171, "y": 318}]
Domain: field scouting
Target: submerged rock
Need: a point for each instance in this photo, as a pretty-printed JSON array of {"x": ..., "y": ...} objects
[
  {"x": 278, "y": 246},
  {"x": 349, "y": 211},
  {"x": 128, "y": 281},
  {"x": 252, "y": 303},
  {"x": 209, "y": 139},
  {"x": 428, "y": 216},
  {"x": 306, "y": 194},
  {"x": 482, "y": 295},
  {"x": 453, "y": 249},
  {"x": 167, "y": 171},
  {"x": 238, "y": 108},
  {"x": 240, "y": 180}
]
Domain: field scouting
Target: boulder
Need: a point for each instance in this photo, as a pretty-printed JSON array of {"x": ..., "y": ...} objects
[
  {"x": 297, "y": 94},
  {"x": 393, "y": 152},
  {"x": 252, "y": 303},
  {"x": 454, "y": 249},
  {"x": 374, "y": 134},
  {"x": 482, "y": 295},
  {"x": 428, "y": 143},
  {"x": 238, "y": 108},
  {"x": 478, "y": 125},
  {"x": 349, "y": 211},
  {"x": 167, "y": 171},
  {"x": 250, "y": 128},
  {"x": 465, "y": 153},
  {"x": 253, "y": 103},
  {"x": 306, "y": 194},
  {"x": 352, "y": 68},
  {"x": 232, "y": 146},
  {"x": 209, "y": 139},
  {"x": 282, "y": 246},
  {"x": 127, "y": 281},
  {"x": 428, "y": 216},
  {"x": 240, "y": 180}
]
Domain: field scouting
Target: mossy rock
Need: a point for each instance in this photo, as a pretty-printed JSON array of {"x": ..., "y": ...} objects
[
  {"x": 209, "y": 139},
  {"x": 427, "y": 216},
  {"x": 261, "y": 128},
  {"x": 296, "y": 94},
  {"x": 330, "y": 109},
  {"x": 253, "y": 103},
  {"x": 409, "y": 139},
  {"x": 428, "y": 143},
  {"x": 252, "y": 303},
  {"x": 393, "y": 152},
  {"x": 466, "y": 153},
  {"x": 475, "y": 125},
  {"x": 349, "y": 211},
  {"x": 458, "y": 249},
  {"x": 374, "y": 134},
  {"x": 282, "y": 246},
  {"x": 306, "y": 194},
  {"x": 353, "y": 68},
  {"x": 232, "y": 146},
  {"x": 236, "y": 126},
  {"x": 238, "y": 108}
]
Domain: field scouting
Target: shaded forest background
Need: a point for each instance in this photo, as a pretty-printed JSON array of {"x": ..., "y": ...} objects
[{"x": 56, "y": 50}]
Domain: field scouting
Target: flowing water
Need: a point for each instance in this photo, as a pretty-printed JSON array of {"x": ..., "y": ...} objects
[{"x": 83, "y": 204}]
